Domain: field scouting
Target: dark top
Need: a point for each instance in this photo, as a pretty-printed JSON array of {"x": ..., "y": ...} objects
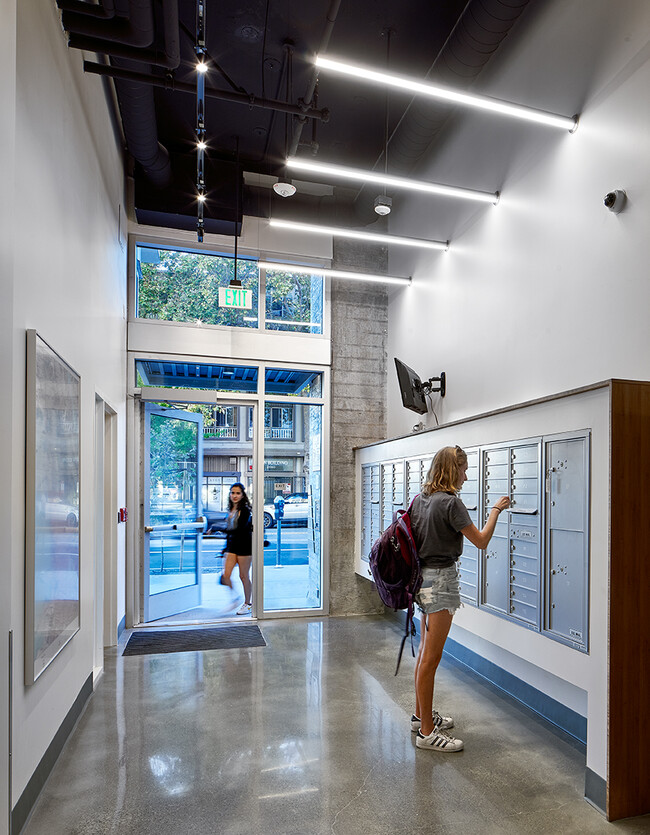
[
  {"x": 239, "y": 533},
  {"x": 436, "y": 521}
]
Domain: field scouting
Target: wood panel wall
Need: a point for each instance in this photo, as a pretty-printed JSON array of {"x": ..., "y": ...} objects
[{"x": 628, "y": 733}]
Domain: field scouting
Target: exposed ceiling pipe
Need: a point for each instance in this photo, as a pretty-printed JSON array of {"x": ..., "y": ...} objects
[
  {"x": 136, "y": 30},
  {"x": 210, "y": 92},
  {"x": 105, "y": 9},
  {"x": 135, "y": 99},
  {"x": 307, "y": 99},
  {"x": 140, "y": 130},
  {"x": 168, "y": 58}
]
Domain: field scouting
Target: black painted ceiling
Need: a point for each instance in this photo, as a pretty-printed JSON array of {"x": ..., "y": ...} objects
[{"x": 264, "y": 49}]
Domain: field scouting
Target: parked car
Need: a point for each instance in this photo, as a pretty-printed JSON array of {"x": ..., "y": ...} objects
[
  {"x": 217, "y": 520},
  {"x": 296, "y": 510},
  {"x": 58, "y": 513}
]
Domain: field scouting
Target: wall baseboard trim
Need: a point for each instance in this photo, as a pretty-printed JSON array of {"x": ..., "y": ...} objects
[
  {"x": 595, "y": 790},
  {"x": 24, "y": 806},
  {"x": 548, "y": 708}
]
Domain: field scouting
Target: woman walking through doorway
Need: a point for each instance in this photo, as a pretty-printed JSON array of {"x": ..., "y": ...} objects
[
  {"x": 440, "y": 520},
  {"x": 239, "y": 543}
]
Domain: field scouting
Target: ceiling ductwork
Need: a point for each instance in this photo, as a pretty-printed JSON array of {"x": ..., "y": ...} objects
[
  {"x": 154, "y": 77},
  {"x": 135, "y": 30},
  {"x": 128, "y": 43},
  {"x": 478, "y": 33}
]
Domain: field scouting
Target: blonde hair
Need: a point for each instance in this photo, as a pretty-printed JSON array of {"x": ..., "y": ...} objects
[{"x": 444, "y": 471}]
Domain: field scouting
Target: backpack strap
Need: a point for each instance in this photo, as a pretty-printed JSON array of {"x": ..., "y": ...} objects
[{"x": 410, "y": 630}]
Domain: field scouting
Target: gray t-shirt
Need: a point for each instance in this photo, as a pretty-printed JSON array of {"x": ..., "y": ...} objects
[{"x": 436, "y": 521}]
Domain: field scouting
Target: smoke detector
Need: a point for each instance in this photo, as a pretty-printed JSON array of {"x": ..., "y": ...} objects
[
  {"x": 284, "y": 187},
  {"x": 383, "y": 204}
]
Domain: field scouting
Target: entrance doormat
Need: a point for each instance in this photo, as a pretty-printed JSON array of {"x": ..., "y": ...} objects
[{"x": 194, "y": 640}]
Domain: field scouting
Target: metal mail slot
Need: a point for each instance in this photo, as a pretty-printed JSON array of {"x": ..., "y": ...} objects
[
  {"x": 525, "y": 470},
  {"x": 497, "y": 456},
  {"x": 524, "y": 547},
  {"x": 501, "y": 528},
  {"x": 497, "y": 471},
  {"x": 525, "y": 485},
  {"x": 468, "y": 563},
  {"x": 497, "y": 485},
  {"x": 525, "y": 453},
  {"x": 520, "y": 578},
  {"x": 523, "y": 527},
  {"x": 520, "y": 610},
  {"x": 524, "y": 595},
  {"x": 523, "y": 563},
  {"x": 524, "y": 502},
  {"x": 469, "y": 499}
]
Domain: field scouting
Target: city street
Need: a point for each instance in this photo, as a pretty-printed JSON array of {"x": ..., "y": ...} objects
[{"x": 293, "y": 551}]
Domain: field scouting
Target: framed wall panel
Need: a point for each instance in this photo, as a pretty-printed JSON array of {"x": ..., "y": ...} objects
[{"x": 52, "y": 475}]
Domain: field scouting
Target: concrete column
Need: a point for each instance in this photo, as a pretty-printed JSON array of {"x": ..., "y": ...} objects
[{"x": 359, "y": 338}]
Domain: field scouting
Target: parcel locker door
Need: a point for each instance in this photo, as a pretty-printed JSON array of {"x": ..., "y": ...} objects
[{"x": 566, "y": 564}]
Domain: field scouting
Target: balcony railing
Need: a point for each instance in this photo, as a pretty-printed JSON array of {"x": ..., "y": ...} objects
[
  {"x": 284, "y": 434},
  {"x": 221, "y": 432}
]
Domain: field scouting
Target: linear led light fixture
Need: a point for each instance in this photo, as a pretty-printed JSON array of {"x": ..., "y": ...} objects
[
  {"x": 294, "y": 268},
  {"x": 394, "y": 182},
  {"x": 505, "y": 108},
  {"x": 373, "y": 237}
]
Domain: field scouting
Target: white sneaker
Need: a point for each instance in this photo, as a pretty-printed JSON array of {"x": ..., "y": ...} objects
[
  {"x": 439, "y": 741},
  {"x": 245, "y": 609},
  {"x": 440, "y": 723}
]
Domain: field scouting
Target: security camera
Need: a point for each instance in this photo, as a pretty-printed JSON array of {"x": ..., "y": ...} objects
[{"x": 615, "y": 200}]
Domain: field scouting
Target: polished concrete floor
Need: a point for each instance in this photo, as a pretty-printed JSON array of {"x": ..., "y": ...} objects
[{"x": 308, "y": 735}]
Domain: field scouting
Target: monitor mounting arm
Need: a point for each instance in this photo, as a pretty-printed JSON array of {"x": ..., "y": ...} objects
[{"x": 426, "y": 387}]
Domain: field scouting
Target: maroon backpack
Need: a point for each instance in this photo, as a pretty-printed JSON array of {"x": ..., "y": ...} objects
[{"x": 395, "y": 568}]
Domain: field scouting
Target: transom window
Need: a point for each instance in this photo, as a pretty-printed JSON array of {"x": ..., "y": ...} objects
[{"x": 176, "y": 285}]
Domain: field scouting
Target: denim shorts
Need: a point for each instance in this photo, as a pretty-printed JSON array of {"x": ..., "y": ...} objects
[{"x": 440, "y": 590}]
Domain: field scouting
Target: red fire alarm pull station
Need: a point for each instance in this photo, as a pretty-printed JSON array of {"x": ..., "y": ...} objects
[{"x": 122, "y": 514}]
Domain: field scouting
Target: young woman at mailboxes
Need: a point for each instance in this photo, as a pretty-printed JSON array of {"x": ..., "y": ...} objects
[{"x": 440, "y": 520}]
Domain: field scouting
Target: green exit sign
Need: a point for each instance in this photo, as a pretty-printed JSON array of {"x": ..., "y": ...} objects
[{"x": 235, "y": 297}]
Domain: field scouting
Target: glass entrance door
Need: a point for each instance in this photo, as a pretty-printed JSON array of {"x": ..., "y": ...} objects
[
  {"x": 292, "y": 515},
  {"x": 173, "y": 521}
]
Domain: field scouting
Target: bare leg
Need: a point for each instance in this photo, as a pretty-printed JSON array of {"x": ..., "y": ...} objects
[
  {"x": 423, "y": 628},
  {"x": 229, "y": 563},
  {"x": 244, "y": 575},
  {"x": 434, "y": 637}
]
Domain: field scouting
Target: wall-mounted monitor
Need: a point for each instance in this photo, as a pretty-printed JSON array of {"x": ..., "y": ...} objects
[{"x": 411, "y": 389}]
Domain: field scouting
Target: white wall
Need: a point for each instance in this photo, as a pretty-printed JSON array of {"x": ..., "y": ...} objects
[
  {"x": 10, "y": 504},
  {"x": 69, "y": 284},
  {"x": 548, "y": 290}
]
